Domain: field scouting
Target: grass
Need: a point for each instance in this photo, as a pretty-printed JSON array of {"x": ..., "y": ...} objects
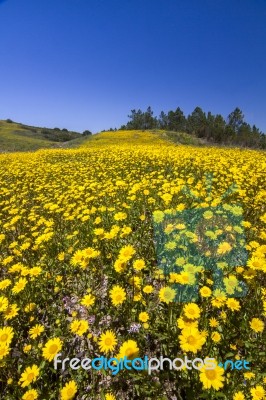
[{"x": 18, "y": 137}]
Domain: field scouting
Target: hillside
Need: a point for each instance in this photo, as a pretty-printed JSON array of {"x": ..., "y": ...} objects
[{"x": 19, "y": 137}]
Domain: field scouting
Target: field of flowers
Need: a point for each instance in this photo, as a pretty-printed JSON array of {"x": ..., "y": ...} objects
[{"x": 84, "y": 271}]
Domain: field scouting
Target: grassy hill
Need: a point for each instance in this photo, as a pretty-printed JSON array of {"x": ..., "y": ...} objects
[{"x": 19, "y": 137}]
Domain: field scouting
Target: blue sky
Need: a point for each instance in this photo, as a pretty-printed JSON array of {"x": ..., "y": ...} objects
[{"x": 84, "y": 64}]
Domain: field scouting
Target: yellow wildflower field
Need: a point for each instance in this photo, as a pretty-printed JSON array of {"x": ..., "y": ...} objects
[{"x": 81, "y": 275}]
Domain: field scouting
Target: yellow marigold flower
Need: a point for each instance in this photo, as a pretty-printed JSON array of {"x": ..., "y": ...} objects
[
  {"x": 212, "y": 378},
  {"x": 128, "y": 349},
  {"x": 208, "y": 214},
  {"x": 109, "y": 396},
  {"x": 107, "y": 341},
  {"x": 216, "y": 337},
  {"x": 167, "y": 294},
  {"x": 88, "y": 300},
  {"x": 191, "y": 339},
  {"x": 51, "y": 348},
  {"x": 36, "y": 330},
  {"x": 5, "y": 283},
  {"x": 126, "y": 253},
  {"x": 68, "y": 391},
  {"x": 6, "y": 335},
  {"x": 27, "y": 348},
  {"x": 20, "y": 285},
  {"x": 79, "y": 326},
  {"x": 118, "y": 295},
  {"x": 224, "y": 248},
  {"x": 205, "y": 291},
  {"x": 3, "y": 303},
  {"x": 213, "y": 323},
  {"x": 233, "y": 304},
  {"x": 257, "y": 393},
  {"x": 148, "y": 289},
  {"x": 158, "y": 216},
  {"x": 256, "y": 325},
  {"x": 249, "y": 375},
  {"x": 29, "y": 375},
  {"x": 144, "y": 317},
  {"x": 186, "y": 323},
  {"x": 120, "y": 266},
  {"x": 139, "y": 264},
  {"x": 239, "y": 396},
  {"x": 191, "y": 311},
  {"x": 4, "y": 351},
  {"x": 31, "y": 394}
]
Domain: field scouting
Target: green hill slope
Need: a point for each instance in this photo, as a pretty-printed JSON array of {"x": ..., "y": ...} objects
[{"x": 18, "y": 137}]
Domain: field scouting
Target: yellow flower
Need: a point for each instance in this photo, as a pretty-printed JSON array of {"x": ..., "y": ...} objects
[
  {"x": 212, "y": 378},
  {"x": 249, "y": 375},
  {"x": 167, "y": 294},
  {"x": 4, "y": 351},
  {"x": 126, "y": 253},
  {"x": 148, "y": 289},
  {"x": 213, "y": 323},
  {"x": 29, "y": 375},
  {"x": 11, "y": 312},
  {"x": 109, "y": 396},
  {"x": 5, "y": 283},
  {"x": 186, "y": 323},
  {"x": 31, "y": 394},
  {"x": 20, "y": 285},
  {"x": 224, "y": 248},
  {"x": 3, "y": 303},
  {"x": 205, "y": 291},
  {"x": 6, "y": 335},
  {"x": 191, "y": 339},
  {"x": 191, "y": 311},
  {"x": 51, "y": 348},
  {"x": 88, "y": 300},
  {"x": 256, "y": 325},
  {"x": 143, "y": 317},
  {"x": 118, "y": 295},
  {"x": 239, "y": 396},
  {"x": 27, "y": 348},
  {"x": 107, "y": 341},
  {"x": 68, "y": 391},
  {"x": 36, "y": 330},
  {"x": 138, "y": 265},
  {"x": 128, "y": 349},
  {"x": 257, "y": 393},
  {"x": 79, "y": 326},
  {"x": 216, "y": 337},
  {"x": 158, "y": 216},
  {"x": 233, "y": 304}
]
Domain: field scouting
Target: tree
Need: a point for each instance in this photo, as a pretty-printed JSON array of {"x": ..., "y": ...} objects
[
  {"x": 176, "y": 120},
  {"x": 236, "y": 119},
  {"x": 197, "y": 122},
  {"x": 86, "y": 133}
]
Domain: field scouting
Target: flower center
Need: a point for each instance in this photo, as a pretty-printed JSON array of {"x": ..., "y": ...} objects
[
  {"x": 211, "y": 374},
  {"x": 191, "y": 340},
  {"x": 4, "y": 337},
  {"x": 108, "y": 341},
  {"x": 30, "y": 376},
  {"x": 53, "y": 348}
]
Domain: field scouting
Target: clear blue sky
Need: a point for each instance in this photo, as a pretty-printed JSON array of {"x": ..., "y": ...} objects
[{"x": 84, "y": 64}]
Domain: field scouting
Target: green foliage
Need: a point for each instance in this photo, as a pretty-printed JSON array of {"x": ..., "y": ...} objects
[
  {"x": 19, "y": 137},
  {"x": 213, "y": 128}
]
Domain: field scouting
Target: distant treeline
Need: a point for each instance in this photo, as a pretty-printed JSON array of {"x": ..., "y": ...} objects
[{"x": 214, "y": 128}]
